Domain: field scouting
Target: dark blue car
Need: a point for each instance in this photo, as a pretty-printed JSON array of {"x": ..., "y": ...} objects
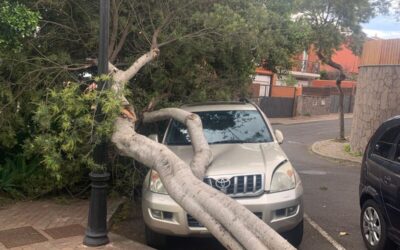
[{"x": 380, "y": 188}]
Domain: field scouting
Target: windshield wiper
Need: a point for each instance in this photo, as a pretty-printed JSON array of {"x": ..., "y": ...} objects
[{"x": 228, "y": 141}]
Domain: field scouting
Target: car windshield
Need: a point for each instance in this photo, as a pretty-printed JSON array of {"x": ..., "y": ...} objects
[{"x": 233, "y": 126}]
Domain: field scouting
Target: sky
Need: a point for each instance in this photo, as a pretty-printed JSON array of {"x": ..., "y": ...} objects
[{"x": 386, "y": 27}]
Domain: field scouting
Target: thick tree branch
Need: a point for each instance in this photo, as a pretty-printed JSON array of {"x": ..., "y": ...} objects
[
  {"x": 339, "y": 79},
  {"x": 124, "y": 76},
  {"x": 181, "y": 184},
  {"x": 202, "y": 152}
]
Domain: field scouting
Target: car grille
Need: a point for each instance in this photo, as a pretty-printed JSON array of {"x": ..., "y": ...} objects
[
  {"x": 192, "y": 222},
  {"x": 238, "y": 186}
]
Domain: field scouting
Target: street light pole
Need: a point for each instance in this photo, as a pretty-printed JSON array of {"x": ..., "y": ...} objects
[
  {"x": 96, "y": 232},
  {"x": 103, "y": 43}
]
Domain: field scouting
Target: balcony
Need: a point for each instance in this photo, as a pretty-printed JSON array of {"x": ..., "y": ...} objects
[{"x": 306, "y": 66}]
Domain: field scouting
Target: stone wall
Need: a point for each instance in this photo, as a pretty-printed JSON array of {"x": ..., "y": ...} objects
[
  {"x": 313, "y": 105},
  {"x": 377, "y": 99}
]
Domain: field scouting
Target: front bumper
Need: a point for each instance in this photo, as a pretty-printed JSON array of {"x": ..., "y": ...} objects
[{"x": 163, "y": 215}]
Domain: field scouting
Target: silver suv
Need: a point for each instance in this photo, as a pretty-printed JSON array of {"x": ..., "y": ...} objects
[{"x": 248, "y": 165}]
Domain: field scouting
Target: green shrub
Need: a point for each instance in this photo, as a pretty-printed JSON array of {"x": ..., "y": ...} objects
[
  {"x": 66, "y": 132},
  {"x": 347, "y": 148},
  {"x": 20, "y": 177}
]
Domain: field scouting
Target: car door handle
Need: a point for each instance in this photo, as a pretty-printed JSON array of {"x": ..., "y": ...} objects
[{"x": 387, "y": 179}]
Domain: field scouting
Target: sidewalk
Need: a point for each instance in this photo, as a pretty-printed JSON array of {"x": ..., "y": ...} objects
[
  {"x": 306, "y": 119},
  {"x": 334, "y": 150},
  {"x": 50, "y": 225}
]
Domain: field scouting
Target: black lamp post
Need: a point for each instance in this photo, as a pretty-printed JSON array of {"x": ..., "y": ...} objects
[{"x": 96, "y": 232}]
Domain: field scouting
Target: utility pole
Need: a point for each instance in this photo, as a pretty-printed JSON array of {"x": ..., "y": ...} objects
[{"x": 96, "y": 232}]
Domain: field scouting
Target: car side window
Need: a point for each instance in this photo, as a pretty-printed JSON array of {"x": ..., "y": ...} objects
[{"x": 386, "y": 143}]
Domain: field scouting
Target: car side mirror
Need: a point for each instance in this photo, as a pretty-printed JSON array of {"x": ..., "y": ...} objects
[
  {"x": 153, "y": 137},
  {"x": 279, "y": 136}
]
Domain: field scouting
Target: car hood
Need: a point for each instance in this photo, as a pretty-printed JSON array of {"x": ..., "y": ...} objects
[{"x": 232, "y": 159}]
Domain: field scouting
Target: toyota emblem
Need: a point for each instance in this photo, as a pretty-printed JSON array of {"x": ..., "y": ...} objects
[{"x": 223, "y": 184}]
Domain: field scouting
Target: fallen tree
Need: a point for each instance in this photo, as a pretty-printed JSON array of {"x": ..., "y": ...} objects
[{"x": 231, "y": 223}]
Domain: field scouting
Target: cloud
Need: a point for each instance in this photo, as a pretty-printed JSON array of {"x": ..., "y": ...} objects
[{"x": 386, "y": 34}]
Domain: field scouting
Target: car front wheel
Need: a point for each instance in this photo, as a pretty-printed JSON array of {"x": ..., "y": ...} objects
[
  {"x": 295, "y": 236},
  {"x": 373, "y": 227},
  {"x": 154, "y": 239}
]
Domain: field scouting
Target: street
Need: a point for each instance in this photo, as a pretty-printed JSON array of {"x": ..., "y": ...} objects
[
  {"x": 330, "y": 187},
  {"x": 330, "y": 195}
]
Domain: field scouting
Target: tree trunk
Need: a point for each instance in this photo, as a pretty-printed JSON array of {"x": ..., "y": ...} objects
[
  {"x": 339, "y": 79},
  {"x": 341, "y": 108}
]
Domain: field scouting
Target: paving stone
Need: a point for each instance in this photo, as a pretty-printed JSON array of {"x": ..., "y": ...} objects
[
  {"x": 66, "y": 231},
  {"x": 20, "y": 237}
]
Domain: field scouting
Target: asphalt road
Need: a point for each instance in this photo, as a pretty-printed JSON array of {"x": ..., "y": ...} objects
[
  {"x": 330, "y": 187},
  {"x": 330, "y": 196}
]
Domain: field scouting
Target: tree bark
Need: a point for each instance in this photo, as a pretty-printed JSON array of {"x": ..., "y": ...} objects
[
  {"x": 232, "y": 224},
  {"x": 341, "y": 108},
  {"x": 339, "y": 79},
  {"x": 202, "y": 152}
]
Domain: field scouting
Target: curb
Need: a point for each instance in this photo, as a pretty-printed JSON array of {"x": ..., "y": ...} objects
[
  {"x": 304, "y": 121},
  {"x": 317, "y": 152},
  {"x": 112, "y": 211}
]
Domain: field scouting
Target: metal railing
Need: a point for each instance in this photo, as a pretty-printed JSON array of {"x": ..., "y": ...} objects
[{"x": 306, "y": 66}]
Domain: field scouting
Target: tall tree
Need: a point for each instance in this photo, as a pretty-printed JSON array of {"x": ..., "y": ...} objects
[
  {"x": 192, "y": 51},
  {"x": 335, "y": 23}
]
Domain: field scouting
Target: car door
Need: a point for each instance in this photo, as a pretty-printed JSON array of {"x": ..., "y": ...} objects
[
  {"x": 388, "y": 146},
  {"x": 391, "y": 185},
  {"x": 379, "y": 157}
]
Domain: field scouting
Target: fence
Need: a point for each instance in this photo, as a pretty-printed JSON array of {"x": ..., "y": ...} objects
[
  {"x": 276, "y": 106},
  {"x": 311, "y": 101},
  {"x": 381, "y": 52},
  {"x": 320, "y": 101},
  {"x": 348, "y": 104}
]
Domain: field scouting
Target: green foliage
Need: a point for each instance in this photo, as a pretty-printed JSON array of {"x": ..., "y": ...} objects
[
  {"x": 347, "y": 149},
  {"x": 323, "y": 75},
  {"x": 334, "y": 22},
  {"x": 208, "y": 51},
  {"x": 16, "y": 23},
  {"x": 20, "y": 177},
  {"x": 290, "y": 80},
  {"x": 66, "y": 130}
]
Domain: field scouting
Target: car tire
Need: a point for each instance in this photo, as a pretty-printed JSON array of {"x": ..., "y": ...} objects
[
  {"x": 154, "y": 239},
  {"x": 295, "y": 236},
  {"x": 373, "y": 227}
]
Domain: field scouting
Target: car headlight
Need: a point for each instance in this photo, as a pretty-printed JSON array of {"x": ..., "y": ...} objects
[
  {"x": 283, "y": 178},
  {"x": 155, "y": 184}
]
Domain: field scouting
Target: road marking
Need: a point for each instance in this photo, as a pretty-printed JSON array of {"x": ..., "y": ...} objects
[
  {"x": 312, "y": 172},
  {"x": 324, "y": 233},
  {"x": 294, "y": 142}
]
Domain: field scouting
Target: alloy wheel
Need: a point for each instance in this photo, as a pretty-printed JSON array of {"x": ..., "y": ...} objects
[{"x": 372, "y": 226}]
